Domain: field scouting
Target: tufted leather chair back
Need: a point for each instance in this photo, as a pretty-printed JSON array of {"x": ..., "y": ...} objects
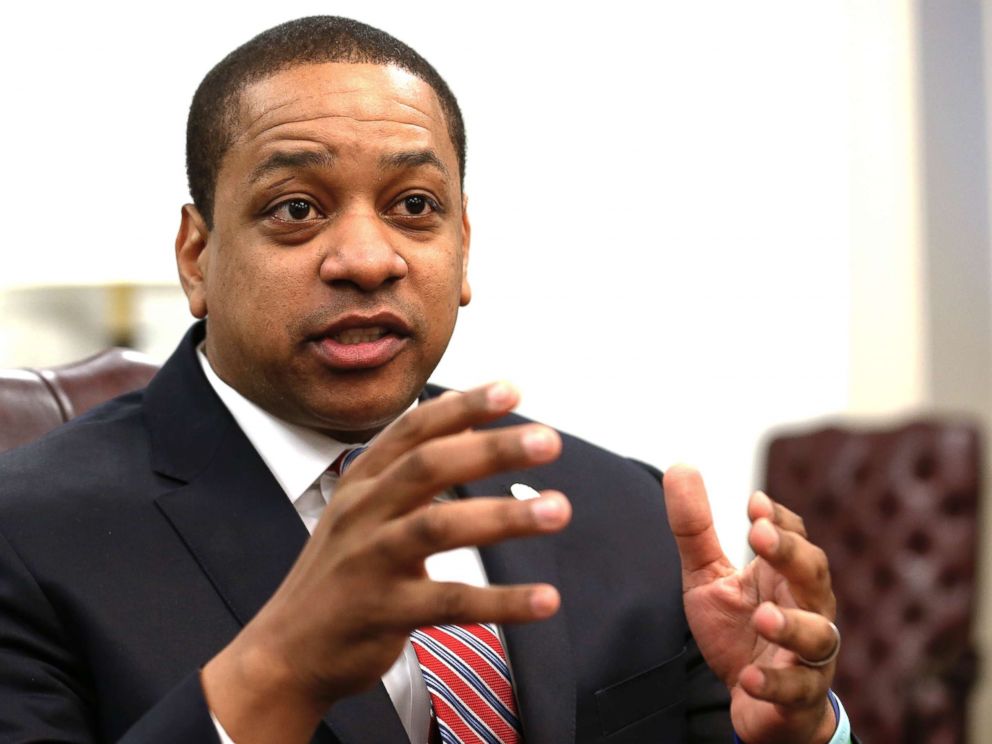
[
  {"x": 35, "y": 401},
  {"x": 895, "y": 511}
]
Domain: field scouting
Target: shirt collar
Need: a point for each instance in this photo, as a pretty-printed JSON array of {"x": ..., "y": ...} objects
[{"x": 295, "y": 454}]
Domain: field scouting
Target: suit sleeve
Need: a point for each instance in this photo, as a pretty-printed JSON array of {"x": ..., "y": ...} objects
[
  {"x": 182, "y": 715},
  {"x": 46, "y": 694},
  {"x": 42, "y": 693}
]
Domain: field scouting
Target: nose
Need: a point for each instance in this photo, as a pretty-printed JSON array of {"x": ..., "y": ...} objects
[{"x": 360, "y": 253}]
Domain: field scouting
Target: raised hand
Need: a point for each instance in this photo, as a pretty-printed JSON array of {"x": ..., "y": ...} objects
[
  {"x": 753, "y": 625},
  {"x": 345, "y": 610}
]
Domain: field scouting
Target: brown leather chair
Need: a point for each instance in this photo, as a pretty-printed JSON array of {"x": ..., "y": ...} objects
[
  {"x": 895, "y": 510},
  {"x": 35, "y": 401}
]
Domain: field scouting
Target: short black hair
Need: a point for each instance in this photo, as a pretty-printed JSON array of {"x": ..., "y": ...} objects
[{"x": 312, "y": 40}]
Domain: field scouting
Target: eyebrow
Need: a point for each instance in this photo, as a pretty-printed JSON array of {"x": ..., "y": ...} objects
[
  {"x": 292, "y": 159},
  {"x": 413, "y": 159},
  {"x": 325, "y": 158}
]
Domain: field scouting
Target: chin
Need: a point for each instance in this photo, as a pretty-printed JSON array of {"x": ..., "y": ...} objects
[
  {"x": 357, "y": 419},
  {"x": 358, "y": 401}
]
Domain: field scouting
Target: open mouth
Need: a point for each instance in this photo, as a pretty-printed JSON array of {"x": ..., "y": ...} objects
[
  {"x": 360, "y": 335},
  {"x": 357, "y": 342}
]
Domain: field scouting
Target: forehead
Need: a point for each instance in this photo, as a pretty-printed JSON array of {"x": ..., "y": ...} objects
[{"x": 358, "y": 104}]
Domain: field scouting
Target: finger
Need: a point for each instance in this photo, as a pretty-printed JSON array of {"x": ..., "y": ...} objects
[
  {"x": 441, "y": 463},
  {"x": 451, "y": 603},
  {"x": 803, "y": 564},
  {"x": 451, "y": 413},
  {"x": 793, "y": 687},
  {"x": 480, "y": 521},
  {"x": 807, "y": 634},
  {"x": 762, "y": 505},
  {"x": 691, "y": 522}
]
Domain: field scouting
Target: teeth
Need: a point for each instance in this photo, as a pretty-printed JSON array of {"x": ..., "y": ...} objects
[{"x": 360, "y": 335}]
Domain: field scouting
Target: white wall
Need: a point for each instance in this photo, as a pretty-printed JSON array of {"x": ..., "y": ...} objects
[
  {"x": 888, "y": 364},
  {"x": 661, "y": 198}
]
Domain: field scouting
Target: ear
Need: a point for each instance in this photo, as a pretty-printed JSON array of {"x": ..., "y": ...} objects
[
  {"x": 466, "y": 294},
  {"x": 191, "y": 259}
]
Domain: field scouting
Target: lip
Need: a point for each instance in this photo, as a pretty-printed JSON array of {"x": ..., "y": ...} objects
[{"x": 367, "y": 354}]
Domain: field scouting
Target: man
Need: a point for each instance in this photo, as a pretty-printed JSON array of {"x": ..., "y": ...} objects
[{"x": 156, "y": 583}]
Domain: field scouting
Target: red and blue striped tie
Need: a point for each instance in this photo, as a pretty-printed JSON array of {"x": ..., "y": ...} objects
[{"x": 469, "y": 682}]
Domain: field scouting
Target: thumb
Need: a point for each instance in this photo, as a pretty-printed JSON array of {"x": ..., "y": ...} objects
[{"x": 691, "y": 521}]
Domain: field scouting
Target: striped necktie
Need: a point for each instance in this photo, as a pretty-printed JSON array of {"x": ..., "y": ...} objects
[
  {"x": 468, "y": 679},
  {"x": 466, "y": 672},
  {"x": 343, "y": 461}
]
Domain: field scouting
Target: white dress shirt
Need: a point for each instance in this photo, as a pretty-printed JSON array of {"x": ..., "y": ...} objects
[{"x": 298, "y": 458}]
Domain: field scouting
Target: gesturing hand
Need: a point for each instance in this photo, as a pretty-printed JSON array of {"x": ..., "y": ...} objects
[
  {"x": 752, "y": 625},
  {"x": 345, "y": 610}
]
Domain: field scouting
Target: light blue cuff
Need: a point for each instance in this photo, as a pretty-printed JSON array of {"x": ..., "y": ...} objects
[{"x": 842, "y": 734}]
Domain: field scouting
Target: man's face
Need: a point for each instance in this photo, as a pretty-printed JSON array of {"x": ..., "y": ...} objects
[{"x": 335, "y": 268}]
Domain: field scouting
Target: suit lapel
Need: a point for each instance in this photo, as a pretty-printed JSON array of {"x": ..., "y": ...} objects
[
  {"x": 540, "y": 653},
  {"x": 236, "y": 520},
  {"x": 238, "y": 524}
]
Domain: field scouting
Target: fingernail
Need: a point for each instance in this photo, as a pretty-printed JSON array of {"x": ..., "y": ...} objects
[
  {"x": 548, "y": 510},
  {"x": 766, "y": 524},
  {"x": 544, "y": 600},
  {"x": 539, "y": 441},
  {"x": 499, "y": 396},
  {"x": 763, "y": 498}
]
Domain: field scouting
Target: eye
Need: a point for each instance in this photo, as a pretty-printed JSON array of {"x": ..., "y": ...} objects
[
  {"x": 415, "y": 205},
  {"x": 295, "y": 210}
]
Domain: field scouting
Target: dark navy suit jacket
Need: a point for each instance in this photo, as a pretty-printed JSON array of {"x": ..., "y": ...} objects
[{"x": 136, "y": 541}]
